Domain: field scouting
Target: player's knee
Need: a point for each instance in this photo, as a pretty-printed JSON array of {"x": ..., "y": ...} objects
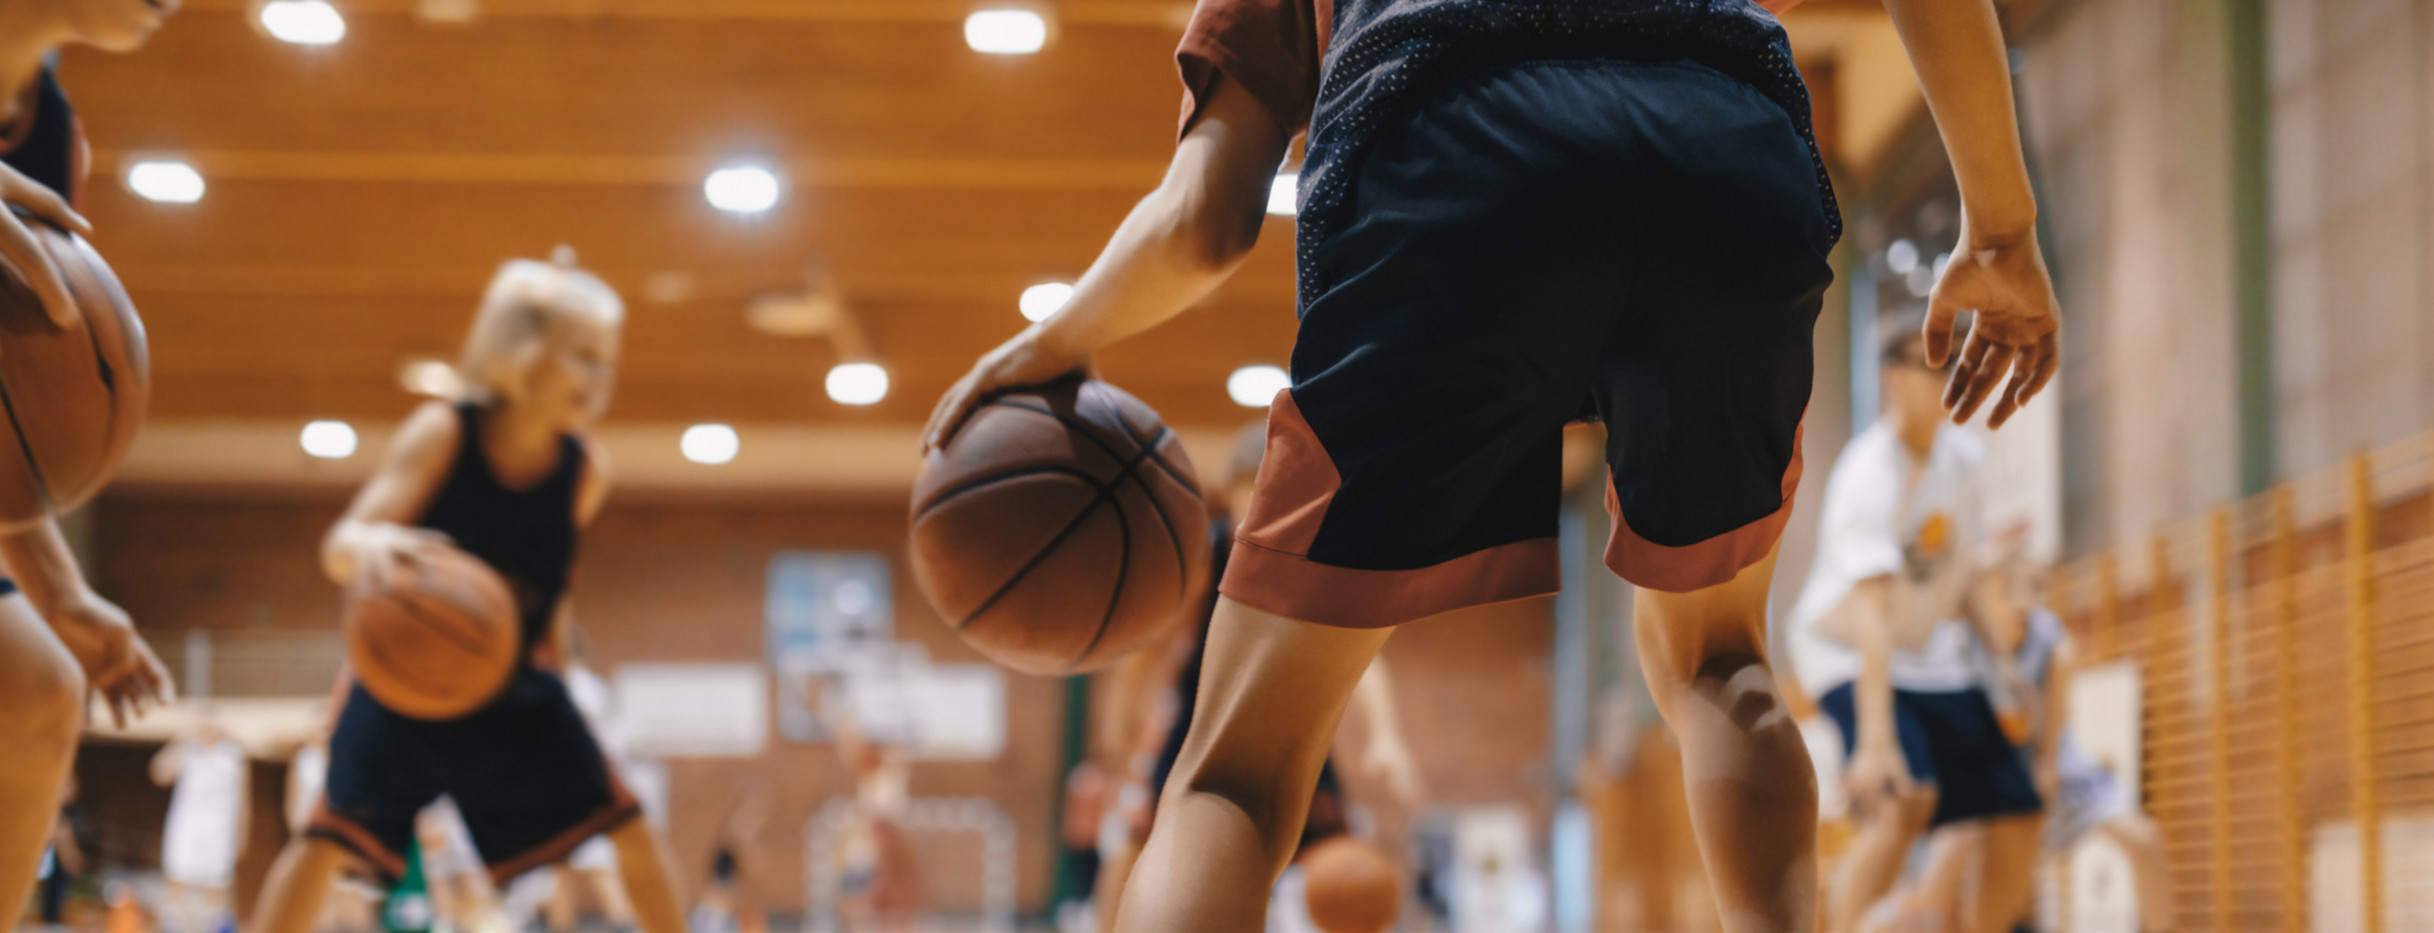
[{"x": 44, "y": 692}]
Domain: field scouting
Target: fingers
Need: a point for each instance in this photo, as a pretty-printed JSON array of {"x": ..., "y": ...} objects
[
  {"x": 2029, "y": 374},
  {"x": 1983, "y": 378},
  {"x": 34, "y": 267},
  {"x": 948, "y": 416},
  {"x": 1941, "y": 314},
  {"x": 47, "y": 204}
]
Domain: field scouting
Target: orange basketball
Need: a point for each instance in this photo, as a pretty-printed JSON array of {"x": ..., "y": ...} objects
[
  {"x": 1351, "y": 886},
  {"x": 72, "y": 397},
  {"x": 1060, "y": 528},
  {"x": 439, "y": 641}
]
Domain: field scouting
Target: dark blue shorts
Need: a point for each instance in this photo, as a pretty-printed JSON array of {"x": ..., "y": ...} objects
[
  {"x": 1952, "y": 741},
  {"x": 524, "y": 771},
  {"x": 1642, "y": 242}
]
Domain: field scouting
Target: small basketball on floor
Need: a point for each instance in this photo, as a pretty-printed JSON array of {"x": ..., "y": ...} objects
[
  {"x": 1351, "y": 886},
  {"x": 1060, "y": 528},
  {"x": 70, "y": 397},
  {"x": 439, "y": 640}
]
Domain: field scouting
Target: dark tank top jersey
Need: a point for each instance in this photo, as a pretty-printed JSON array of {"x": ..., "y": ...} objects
[
  {"x": 527, "y": 535},
  {"x": 46, "y": 144}
]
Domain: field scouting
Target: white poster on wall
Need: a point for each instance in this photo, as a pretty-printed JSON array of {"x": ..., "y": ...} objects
[
  {"x": 940, "y": 712},
  {"x": 2104, "y": 716},
  {"x": 826, "y": 612},
  {"x": 695, "y": 710}
]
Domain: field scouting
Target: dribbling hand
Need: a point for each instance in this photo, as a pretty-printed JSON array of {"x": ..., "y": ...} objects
[
  {"x": 1876, "y": 774},
  {"x": 1022, "y": 361},
  {"x": 2017, "y": 330},
  {"x": 380, "y": 549},
  {"x": 22, "y": 254},
  {"x": 116, "y": 661}
]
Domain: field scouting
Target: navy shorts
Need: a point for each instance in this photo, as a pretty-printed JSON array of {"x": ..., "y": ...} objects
[
  {"x": 524, "y": 771},
  {"x": 1952, "y": 741},
  {"x": 1643, "y": 242}
]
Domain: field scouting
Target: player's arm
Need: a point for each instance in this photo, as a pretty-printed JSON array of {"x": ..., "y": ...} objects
[
  {"x": 1997, "y": 271},
  {"x": 376, "y": 530},
  {"x": 1176, "y": 247},
  {"x": 1877, "y": 768},
  {"x": 116, "y": 661}
]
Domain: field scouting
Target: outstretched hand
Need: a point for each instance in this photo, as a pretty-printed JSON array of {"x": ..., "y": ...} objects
[
  {"x": 2017, "y": 328},
  {"x": 116, "y": 661},
  {"x": 1022, "y": 361}
]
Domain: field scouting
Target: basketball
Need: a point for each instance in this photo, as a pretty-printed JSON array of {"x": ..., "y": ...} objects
[
  {"x": 72, "y": 396},
  {"x": 439, "y": 641},
  {"x": 1351, "y": 887},
  {"x": 1060, "y": 528}
]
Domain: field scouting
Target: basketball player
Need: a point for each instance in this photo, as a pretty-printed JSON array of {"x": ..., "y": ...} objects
[
  {"x": 209, "y": 777},
  {"x": 1880, "y": 639},
  {"x": 2082, "y": 797},
  {"x": 1513, "y": 210},
  {"x": 510, "y": 475},
  {"x": 57, "y": 638},
  {"x": 878, "y": 880}
]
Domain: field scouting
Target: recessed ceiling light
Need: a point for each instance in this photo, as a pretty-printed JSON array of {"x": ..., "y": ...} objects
[
  {"x": 741, "y": 189},
  {"x": 1256, "y": 386},
  {"x": 1005, "y": 32},
  {"x": 1284, "y": 195},
  {"x": 303, "y": 22},
  {"x": 165, "y": 181},
  {"x": 1040, "y": 302},
  {"x": 329, "y": 440},
  {"x": 710, "y": 443},
  {"x": 857, "y": 383}
]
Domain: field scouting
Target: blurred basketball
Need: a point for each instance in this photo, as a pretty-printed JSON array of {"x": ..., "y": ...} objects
[
  {"x": 439, "y": 641},
  {"x": 1060, "y": 528},
  {"x": 72, "y": 397},
  {"x": 1351, "y": 886}
]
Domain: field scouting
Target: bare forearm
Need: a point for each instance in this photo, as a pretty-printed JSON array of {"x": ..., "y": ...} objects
[
  {"x": 1872, "y": 697},
  {"x": 39, "y": 560},
  {"x": 1157, "y": 264},
  {"x": 1956, "y": 46}
]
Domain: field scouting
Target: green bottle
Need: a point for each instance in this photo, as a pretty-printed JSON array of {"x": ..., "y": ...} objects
[{"x": 409, "y": 905}]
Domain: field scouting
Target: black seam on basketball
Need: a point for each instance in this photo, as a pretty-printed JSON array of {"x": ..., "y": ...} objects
[
  {"x": 25, "y": 448},
  {"x": 1144, "y": 451},
  {"x": 1115, "y": 596},
  {"x": 1106, "y": 494},
  {"x": 1036, "y": 558},
  {"x": 1174, "y": 536},
  {"x": 994, "y": 478},
  {"x": 472, "y": 646}
]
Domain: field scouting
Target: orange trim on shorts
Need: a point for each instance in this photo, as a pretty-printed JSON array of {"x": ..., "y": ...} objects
[
  {"x": 1712, "y": 562},
  {"x": 325, "y": 824},
  {"x": 623, "y": 807},
  {"x": 1297, "y": 587},
  {"x": 1297, "y": 481}
]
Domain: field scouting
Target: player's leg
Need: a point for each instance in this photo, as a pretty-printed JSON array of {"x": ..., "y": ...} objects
[
  {"x": 2005, "y": 889},
  {"x": 42, "y": 693},
  {"x": 2143, "y": 843},
  {"x": 642, "y": 863},
  {"x": 1270, "y": 695},
  {"x": 301, "y": 877},
  {"x": 1753, "y": 795}
]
